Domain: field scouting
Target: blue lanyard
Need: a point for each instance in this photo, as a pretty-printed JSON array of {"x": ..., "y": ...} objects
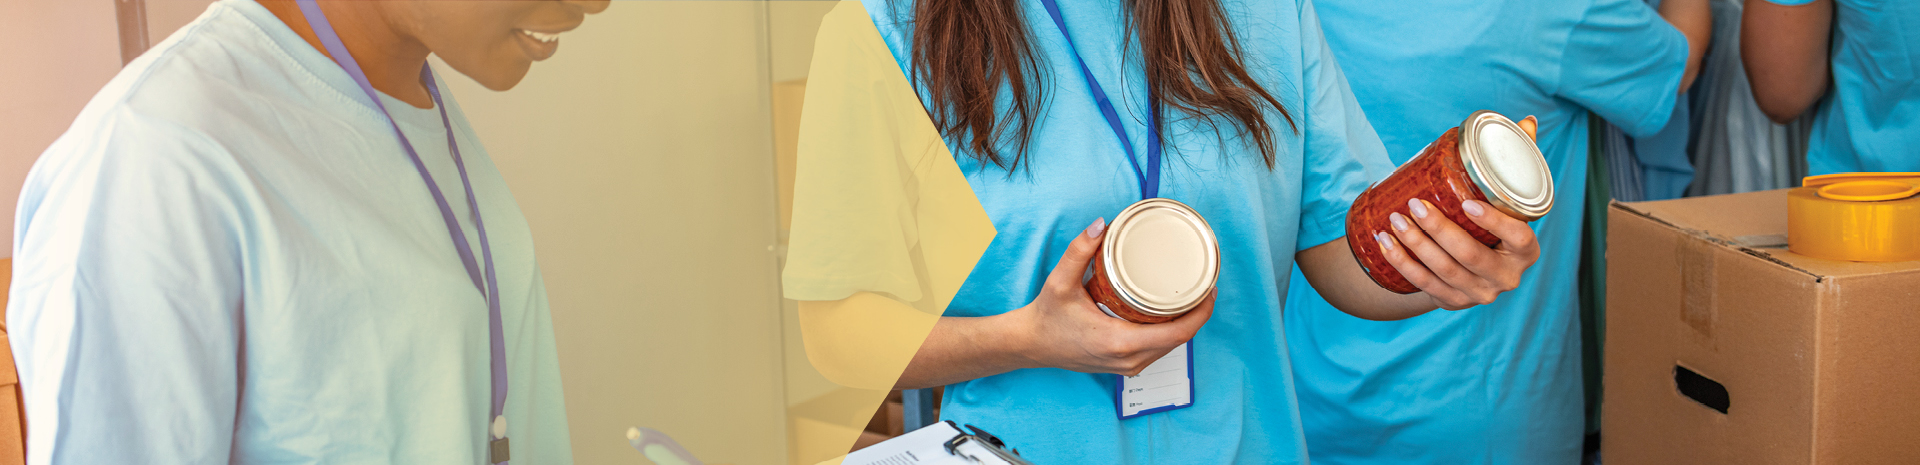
[
  {"x": 490, "y": 288},
  {"x": 1149, "y": 180}
]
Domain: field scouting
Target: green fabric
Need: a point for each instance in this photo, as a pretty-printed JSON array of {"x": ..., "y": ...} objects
[{"x": 1593, "y": 269}]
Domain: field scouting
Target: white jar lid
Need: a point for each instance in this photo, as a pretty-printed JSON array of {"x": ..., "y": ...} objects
[
  {"x": 1507, "y": 166},
  {"x": 1162, "y": 255}
]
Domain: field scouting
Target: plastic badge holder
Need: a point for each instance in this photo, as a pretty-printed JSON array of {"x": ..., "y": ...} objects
[{"x": 1862, "y": 217}]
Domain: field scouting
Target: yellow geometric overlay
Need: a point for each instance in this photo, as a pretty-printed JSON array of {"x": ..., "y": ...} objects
[{"x": 884, "y": 229}]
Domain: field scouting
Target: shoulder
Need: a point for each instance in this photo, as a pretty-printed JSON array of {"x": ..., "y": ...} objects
[
  {"x": 865, "y": 32},
  {"x": 224, "y": 73},
  {"x": 168, "y": 110},
  {"x": 1280, "y": 25},
  {"x": 891, "y": 19},
  {"x": 894, "y": 18},
  {"x": 224, "y": 79}
]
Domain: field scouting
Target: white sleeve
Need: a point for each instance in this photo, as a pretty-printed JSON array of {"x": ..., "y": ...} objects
[{"x": 125, "y": 308}]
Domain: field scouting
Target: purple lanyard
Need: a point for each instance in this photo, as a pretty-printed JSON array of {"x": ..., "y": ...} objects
[
  {"x": 491, "y": 287},
  {"x": 1150, "y": 179}
]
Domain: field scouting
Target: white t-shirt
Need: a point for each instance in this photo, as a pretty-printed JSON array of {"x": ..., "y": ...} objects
[{"x": 229, "y": 259}]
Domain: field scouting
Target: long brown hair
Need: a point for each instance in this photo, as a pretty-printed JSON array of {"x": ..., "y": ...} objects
[{"x": 965, "y": 50}]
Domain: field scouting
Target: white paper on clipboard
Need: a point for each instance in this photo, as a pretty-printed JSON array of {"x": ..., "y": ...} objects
[{"x": 928, "y": 446}]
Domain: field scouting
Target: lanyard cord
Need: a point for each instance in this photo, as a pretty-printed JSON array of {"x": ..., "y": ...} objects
[
  {"x": 487, "y": 283},
  {"x": 1150, "y": 179}
]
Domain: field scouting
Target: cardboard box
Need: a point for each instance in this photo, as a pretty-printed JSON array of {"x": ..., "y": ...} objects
[
  {"x": 886, "y": 420},
  {"x": 1723, "y": 347},
  {"x": 13, "y": 424},
  {"x": 13, "y": 416}
]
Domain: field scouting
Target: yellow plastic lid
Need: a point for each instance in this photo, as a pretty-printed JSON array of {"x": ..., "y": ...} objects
[
  {"x": 1871, "y": 217},
  {"x": 1865, "y": 187}
]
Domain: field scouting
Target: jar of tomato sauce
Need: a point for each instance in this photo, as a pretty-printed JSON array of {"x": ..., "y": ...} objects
[
  {"x": 1158, "y": 260},
  {"x": 1487, "y": 158}
]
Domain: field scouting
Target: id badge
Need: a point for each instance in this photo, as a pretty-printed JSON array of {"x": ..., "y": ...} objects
[{"x": 1166, "y": 384}]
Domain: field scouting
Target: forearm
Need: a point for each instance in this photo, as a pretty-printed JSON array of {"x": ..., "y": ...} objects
[
  {"x": 1694, "y": 19},
  {"x": 964, "y": 348},
  {"x": 1785, "y": 51},
  {"x": 874, "y": 342},
  {"x": 1334, "y": 273},
  {"x": 869, "y": 341}
]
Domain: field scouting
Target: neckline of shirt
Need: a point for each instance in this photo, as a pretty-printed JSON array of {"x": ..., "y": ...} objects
[{"x": 323, "y": 69}]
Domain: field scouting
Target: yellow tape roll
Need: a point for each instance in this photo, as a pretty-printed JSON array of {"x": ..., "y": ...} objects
[{"x": 1862, "y": 217}]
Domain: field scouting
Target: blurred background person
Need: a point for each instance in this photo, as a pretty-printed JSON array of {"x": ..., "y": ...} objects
[{"x": 1854, "y": 62}]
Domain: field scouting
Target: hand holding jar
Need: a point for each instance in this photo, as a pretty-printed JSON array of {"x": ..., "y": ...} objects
[
  {"x": 1456, "y": 270},
  {"x": 1067, "y": 329},
  {"x": 1452, "y": 221}
]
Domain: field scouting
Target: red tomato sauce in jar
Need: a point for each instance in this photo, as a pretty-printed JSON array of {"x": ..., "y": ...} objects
[
  {"x": 1158, "y": 259},
  {"x": 1487, "y": 158}
]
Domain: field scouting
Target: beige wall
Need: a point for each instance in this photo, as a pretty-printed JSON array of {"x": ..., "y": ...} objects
[
  {"x": 59, "y": 54},
  {"x": 791, "y": 28},
  {"x": 642, "y": 156},
  {"x": 64, "y": 52},
  {"x": 166, "y": 16}
]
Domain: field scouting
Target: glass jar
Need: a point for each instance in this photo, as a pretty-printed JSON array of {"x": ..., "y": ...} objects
[
  {"x": 1158, "y": 259},
  {"x": 1487, "y": 158}
]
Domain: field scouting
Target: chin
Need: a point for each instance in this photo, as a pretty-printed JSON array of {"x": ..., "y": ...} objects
[
  {"x": 504, "y": 80},
  {"x": 496, "y": 76}
]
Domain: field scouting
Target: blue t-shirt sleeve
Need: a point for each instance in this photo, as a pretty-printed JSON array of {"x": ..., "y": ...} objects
[
  {"x": 1790, "y": 2},
  {"x": 1343, "y": 154},
  {"x": 1624, "y": 62},
  {"x": 126, "y": 301}
]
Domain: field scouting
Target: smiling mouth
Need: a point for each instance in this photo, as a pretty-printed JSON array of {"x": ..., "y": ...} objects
[
  {"x": 541, "y": 36},
  {"x": 538, "y": 45}
]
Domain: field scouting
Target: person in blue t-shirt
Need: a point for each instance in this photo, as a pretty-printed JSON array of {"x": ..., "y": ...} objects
[
  {"x": 1854, "y": 62},
  {"x": 1499, "y": 383},
  {"x": 1262, "y": 137}
]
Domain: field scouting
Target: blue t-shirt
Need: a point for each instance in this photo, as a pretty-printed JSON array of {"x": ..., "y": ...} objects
[
  {"x": 1498, "y": 383},
  {"x": 1870, "y": 118},
  {"x": 1244, "y": 408}
]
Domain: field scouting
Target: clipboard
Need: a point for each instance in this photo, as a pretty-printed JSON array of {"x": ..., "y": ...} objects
[{"x": 942, "y": 443}]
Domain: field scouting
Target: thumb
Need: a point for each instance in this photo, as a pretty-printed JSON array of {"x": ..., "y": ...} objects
[
  {"x": 1073, "y": 264},
  {"x": 1187, "y": 325}
]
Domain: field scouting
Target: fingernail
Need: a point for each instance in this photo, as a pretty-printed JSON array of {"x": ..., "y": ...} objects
[
  {"x": 1399, "y": 222},
  {"x": 1419, "y": 208},
  {"x": 1099, "y": 226},
  {"x": 1382, "y": 237},
  {"x": 1472, "y": 208}
]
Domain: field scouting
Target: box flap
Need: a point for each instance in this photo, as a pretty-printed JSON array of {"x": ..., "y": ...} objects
[
  {"x": 1734, "y": 215},
  {"x": 1754, "y": 223}
]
